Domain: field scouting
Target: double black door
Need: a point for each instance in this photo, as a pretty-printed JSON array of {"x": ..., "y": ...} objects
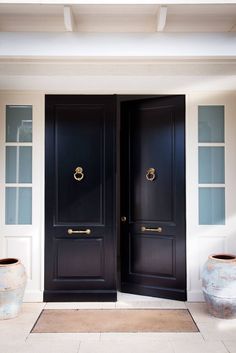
[{"x": 114, "y": 179}]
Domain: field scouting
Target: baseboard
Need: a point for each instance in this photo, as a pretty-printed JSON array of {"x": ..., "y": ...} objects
[
  {"x": 33, "y": 296},
  {"x": 195, "y": 296}
]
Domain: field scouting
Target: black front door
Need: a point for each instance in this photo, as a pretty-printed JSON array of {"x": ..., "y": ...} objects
[
  {"x": 153, "y": 196},
  {"x": 80, "y": 257}
]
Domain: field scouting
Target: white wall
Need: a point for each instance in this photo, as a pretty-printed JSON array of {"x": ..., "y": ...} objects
[
  {"x": 203, "y": 88},
  {"x": 203, "y": 240},
  {"x": 25, "y": 241}
]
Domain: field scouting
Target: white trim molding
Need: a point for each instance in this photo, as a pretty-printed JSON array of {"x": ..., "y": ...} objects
[
  {"x": 120, "y": 2},
  {"x": 109, "y": 46}
]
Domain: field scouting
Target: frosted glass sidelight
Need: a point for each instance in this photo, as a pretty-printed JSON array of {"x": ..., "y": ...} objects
[
  {"x": 18, "y": 123},
  {"x": 18, "y": 164},
  {"x": 211, "y": 123},
  {"x": 212, "y": 206},
  {"x": 211, "y": 165},
  {"x": 18, "y": 205}
]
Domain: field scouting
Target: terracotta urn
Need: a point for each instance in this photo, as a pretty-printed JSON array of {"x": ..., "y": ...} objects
[
  {"x": 12, "y": 287},
  {"x": 219, "y": 285}
]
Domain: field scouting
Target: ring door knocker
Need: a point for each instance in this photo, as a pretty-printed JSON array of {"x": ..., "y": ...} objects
[
  {"x": 79, "y": 175},
  {"x": 151, "y": 174}
]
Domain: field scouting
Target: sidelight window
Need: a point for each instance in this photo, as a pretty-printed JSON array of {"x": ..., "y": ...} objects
[
  {"x": 18, "y": 159},
  {"x": 211, "y": 165}
]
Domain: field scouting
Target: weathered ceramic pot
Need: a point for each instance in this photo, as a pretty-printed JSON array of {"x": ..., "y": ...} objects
[
  {"x": 12, "y": 287},
  {"x": 219, "y": 285}
]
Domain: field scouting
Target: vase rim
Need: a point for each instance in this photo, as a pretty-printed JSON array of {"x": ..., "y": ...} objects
[
  {"x": 9, "y": 261},
  {"x": 223, "y": 257}
]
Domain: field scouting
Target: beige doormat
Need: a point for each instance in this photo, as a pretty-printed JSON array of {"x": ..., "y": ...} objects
[{"x": 119, "y": 320}]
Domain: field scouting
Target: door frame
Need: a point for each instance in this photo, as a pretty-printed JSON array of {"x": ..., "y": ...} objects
[{"x": 117, "y": 184}]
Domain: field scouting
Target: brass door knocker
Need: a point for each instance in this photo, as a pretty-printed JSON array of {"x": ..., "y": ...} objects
[
  {"x": 79, "y": 175},
  {"x": 151, "y": 174}
]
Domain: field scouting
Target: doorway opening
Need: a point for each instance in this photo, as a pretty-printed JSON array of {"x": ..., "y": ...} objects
[{"x": 115, "y": 187}]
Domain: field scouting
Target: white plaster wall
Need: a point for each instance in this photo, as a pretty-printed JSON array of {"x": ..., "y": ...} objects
[
  {"x": 214, "y": 88},
  {"x": 25, "y": 241}
]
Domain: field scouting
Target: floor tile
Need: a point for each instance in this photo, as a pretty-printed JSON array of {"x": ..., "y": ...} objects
[
  {"x": 150, "y": 305},
  {"x": 36, "y": 337},
  {"x": 230, "y": 345},
  {"x": 15, "y": 338},
  {"x": 199, "y": 312},
  {"x": 203, "y": 347},
  {"x": 217, "y": 335},
  {"x": 138, "y": 301},
  {"x": 61, "y": 305},
  {"x": 135, "y": 298},
  {"x": 18, "y": 328},
  {"x": 218, "y": 329},
  {"x": 92, "y": 305},
  {"x": 41, "y": 347},
  {"x": 108, "y": 305},
  {"x": 126, "y": 347},
  {"x": 157, "y": 336}
]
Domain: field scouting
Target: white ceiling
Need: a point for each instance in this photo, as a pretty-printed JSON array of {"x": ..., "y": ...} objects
[{"x": 118, "y": 18}]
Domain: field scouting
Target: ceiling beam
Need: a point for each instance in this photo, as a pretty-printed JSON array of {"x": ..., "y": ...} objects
[
  {"x": 161, "y": 18},
  {"x": 120, "y": 2},
  {"x": 69, "y": 21},
  {"x": 118, "y": 45}
]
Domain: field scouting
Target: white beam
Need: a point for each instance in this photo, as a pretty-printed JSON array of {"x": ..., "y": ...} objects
[
  {"x": 120, "y": 2},
  {"x": 69, "y": 21},
  {"x": 118, "y": 45},
  {"x": 161, "y": 18}
]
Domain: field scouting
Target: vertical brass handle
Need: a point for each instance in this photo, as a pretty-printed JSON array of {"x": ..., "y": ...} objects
[
  {"x": 151, "y": 174},
  {"x": 79, "y": 175}
]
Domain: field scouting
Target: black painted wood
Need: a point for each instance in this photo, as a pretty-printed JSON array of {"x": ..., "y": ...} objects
[
  {"x": 80, "y": 131},
  {"x": 153, "y": 136}
]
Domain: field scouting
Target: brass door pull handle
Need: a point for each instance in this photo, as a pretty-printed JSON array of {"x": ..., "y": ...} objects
[
  {"x": 158, "y": 229},
  {"x": 86, "y": 231}
]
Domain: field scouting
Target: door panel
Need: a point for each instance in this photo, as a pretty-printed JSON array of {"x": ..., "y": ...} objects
[
  {"x": 80, "y": 132},
  {"x": 153, "y": 237},
  {"x": 146, "y": 150},
  {"x": 80, "y": 264},
  {"x": 74, "y": 202},
  {"x": 155, "y": 263}
]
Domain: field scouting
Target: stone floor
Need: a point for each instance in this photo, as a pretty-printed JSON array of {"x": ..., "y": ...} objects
[{"x": 215, "y": 336}]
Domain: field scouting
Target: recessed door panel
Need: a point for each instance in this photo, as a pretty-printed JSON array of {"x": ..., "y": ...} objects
[
  {"x": 79, "y": 146},
  {"x": 148, "y": 151},
  {"x": 148, "y": 254},
  {"x": 74, "y": 258}
]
